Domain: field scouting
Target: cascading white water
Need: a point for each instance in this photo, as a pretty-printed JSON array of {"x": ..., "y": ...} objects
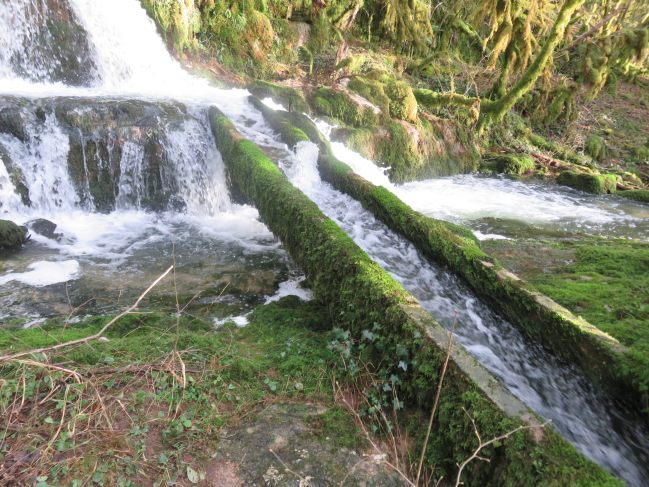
[{"x": 120, "y": 57}]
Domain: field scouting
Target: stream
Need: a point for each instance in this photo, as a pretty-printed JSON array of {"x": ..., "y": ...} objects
[{"x": 169, "y": 204}]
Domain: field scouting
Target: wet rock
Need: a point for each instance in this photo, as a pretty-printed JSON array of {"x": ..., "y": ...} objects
[
  {"x": 104, "y": 137},
  {"x": 12, "y": 120},
  {"x": 55, "y": 48},
  {"x": 11, "y": 235},
  {"x": 285, "y": 429},
  {"x": 16, "y": 176},
  {"x": 43, "y": 227}
]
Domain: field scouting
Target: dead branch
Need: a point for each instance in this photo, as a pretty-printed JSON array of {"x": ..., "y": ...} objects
[
  {"x": 93, "y": 337},
  {"x": 493, "y": 440}
]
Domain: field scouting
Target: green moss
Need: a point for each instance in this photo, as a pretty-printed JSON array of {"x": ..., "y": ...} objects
[
  {"x": 641, "y": 195},
  {"x": 359, "y": 295},
  {"x": 607, "y": 285},
  {"x": 290, "y": 98},
  {"x": 337, "y": 104},
  {"x": 11, "y": 235},
  {"x": 558, "y": 151},
  {"x": 513, "y": 164},
  {"x": 642, "y": 153},
  {"x": 403, "y": 104},
  {"x": 372, "y": 91},
  {"x": 590, "y": 183},
  {"x": 414, "y": 152},
  {"x": 289, "y": 133},
  {"x": 596, "y": 148}
]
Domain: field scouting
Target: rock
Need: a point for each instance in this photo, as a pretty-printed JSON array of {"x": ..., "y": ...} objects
[
  {"x": 513, "y": 164},
  {"x": 596, "y": 148},
  {"x": 16, "y": 176},
  {"x": 286, "y": 429},
  {"x": 43, "y": 227},
  {"x": 591, "y": 183},
  {"x": 640, "y": 195},
  {"x": 403, "y": 104},
  {"x": 11, "y": 235}
]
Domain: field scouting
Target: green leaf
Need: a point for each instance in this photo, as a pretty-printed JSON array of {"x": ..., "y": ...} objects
[
  {"x": 48, "y": 420},
  {"x": 187, "y": 423},
  {"x": 41, "y": 479},
  {"x": 192, "y": 475},
  {"x": 161, "y": 414},
  {"x": 497, "y": 444},
  {"x": 98, "y": 477},
  {"x": 162, "y": 458}
]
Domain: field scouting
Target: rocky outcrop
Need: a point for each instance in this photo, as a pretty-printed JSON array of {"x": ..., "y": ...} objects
[{"x": 104, "y": 137}]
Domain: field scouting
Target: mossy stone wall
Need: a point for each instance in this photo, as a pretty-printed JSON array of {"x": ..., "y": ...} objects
[{"x": 360, "y": 295}]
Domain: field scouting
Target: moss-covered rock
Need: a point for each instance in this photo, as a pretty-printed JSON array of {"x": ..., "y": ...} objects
[
  {"x": 403, "y": 105},
  {"x": 429, "y": 149},
  {"x": 590, "y": 183},
  {"x": 513, "y": 164},
  {"x": 372, "y": 91},
  {"x": 640, "y": 195},
  {"x": 338, "y": 104},
  {"x": 11, "y": 235},
  {"x": 291, "y": 99},
  {"x": 596, "y": 148}
]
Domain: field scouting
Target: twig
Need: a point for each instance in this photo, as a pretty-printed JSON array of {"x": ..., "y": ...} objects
[
  {"x": 289, "y": 470},
  {"x": 62, "y": 369},
  {"x": 493, "y": 440},
  {"x": 93, "y": 337},
  {"x": 439, "y": 390}
]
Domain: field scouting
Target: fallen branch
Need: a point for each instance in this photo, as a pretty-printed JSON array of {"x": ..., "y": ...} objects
[
  {"x": 493, "y": 440},
  {"x": 93, "y": 337}
]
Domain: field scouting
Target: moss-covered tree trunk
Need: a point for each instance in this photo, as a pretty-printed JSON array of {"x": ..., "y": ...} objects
[{"x": 499, "y": 108}]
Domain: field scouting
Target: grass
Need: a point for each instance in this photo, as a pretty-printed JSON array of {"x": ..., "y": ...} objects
[{"x": 153, "y": 399}]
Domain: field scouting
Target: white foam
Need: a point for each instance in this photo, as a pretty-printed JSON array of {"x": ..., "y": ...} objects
[
  {"x": 240, "y": 321},
  {"x": 45, "y": 273},
  {"x": 291, "y": 288}
]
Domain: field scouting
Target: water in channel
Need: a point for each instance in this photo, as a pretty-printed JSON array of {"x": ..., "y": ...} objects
[
  {"x": 582, "y": 413},
  {"x": 120, "y": 246}
]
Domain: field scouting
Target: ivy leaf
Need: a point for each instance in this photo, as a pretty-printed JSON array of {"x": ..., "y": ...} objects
[
  {"x": 417, "y": 335},
  {"x": 386, "y": 387},
  {"x": 367, "y": 334},
  {"x": 394, "y": 379},
  {"x": 192, "y": 475},
  {"x": 401, "y": 351},
  {"x": 403, "y": 365}
]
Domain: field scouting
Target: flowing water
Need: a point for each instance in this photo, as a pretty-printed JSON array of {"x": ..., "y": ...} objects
[
  {"x": 111, "y": 248},
  {"x": 582, "y": 413}
]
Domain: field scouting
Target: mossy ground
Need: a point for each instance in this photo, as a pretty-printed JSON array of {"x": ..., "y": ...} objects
[
  {"x": 132, "y": 419},
  {"x": 606, "y": 281}
]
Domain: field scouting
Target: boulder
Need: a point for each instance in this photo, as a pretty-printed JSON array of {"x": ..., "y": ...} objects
[
  {"x": 43, "y": 227},
  {"x": 12, "y": 235}
]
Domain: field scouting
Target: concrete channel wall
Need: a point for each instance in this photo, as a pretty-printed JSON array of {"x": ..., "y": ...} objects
[
  {"x": 602, "y": 357},
  {"x": 360, "y": 295}
]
